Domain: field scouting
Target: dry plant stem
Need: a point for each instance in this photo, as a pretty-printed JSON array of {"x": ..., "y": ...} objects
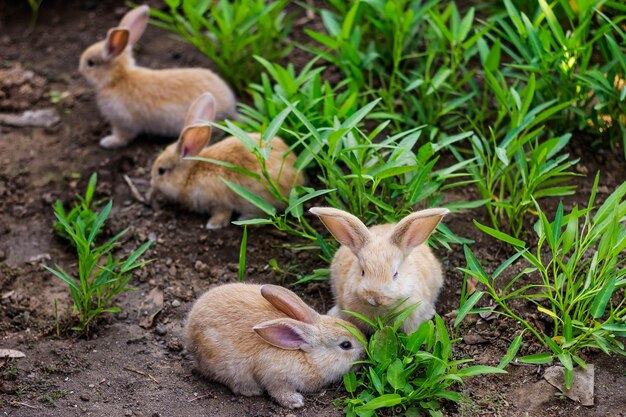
[
  {"x": 133, "y": 190},
  {"x": 142, "y": 374}
]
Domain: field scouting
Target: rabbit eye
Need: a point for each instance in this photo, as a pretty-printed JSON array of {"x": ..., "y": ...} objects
[
  {"x": 90, "y": 63},
  {"x": 362, "y": 272},
  {"x": 395, "y": 275},
  {"x": 345, "y": 345},
  {"x": 162, "y": 171}
]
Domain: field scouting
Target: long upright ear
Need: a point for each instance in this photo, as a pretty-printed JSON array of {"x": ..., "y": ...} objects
[
  {"x": 285, "y": 333},
  {"x": 196, "y": 134},
  {"x": 346, "y": 228},
  {"x": 201, "y": 110},
  {"x": 115, "y": 43},
  {"x": 136, "y": 22},
  {"x": 289, "y": 303},
  {"x": 415, "y": 228},
  {"x": 193, "y": 139}
]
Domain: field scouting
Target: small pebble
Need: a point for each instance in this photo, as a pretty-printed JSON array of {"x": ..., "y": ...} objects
[
  {"x": 175, "y": 303},
  {"x": 84, "y": 397},
  {"x": 160, "y": 329},
  {"x": 152, "y": 236}
]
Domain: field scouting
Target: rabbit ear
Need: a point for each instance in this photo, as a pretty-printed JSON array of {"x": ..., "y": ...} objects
[
  {"x": 136, "y": 22},
  {"x": 285, "y": 333},
  {"x": 196, "y": 134},
  {"x": 415, "y": 228},
  {"x": 346, "y": 228},
  {"x": 115, "y": 43},
  {"x": 289, "y": 303},
  {"x": 201, "y": 110},
  {"x": 193, "y": 139}
]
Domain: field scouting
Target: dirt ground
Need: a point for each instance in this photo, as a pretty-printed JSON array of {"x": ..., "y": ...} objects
[{"x": 131, "y": 365}]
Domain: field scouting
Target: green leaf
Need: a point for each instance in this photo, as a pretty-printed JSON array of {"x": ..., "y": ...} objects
[
  {"x": 384, "y": 345},
  {"x": 241, "y": 273},
  {"x": 475, "y": 269},
  {"x": 376, "y": 382},
  {"x": 479, "y": 370},
  {"x": 266, "y": 207},
  {"x": 537, "y": 358},
  {"x": 511, "y": 351},
  {"x": 395, "y": 374},
  {"x": 384, "y": 401},
  {"x": 349, "y": 381},
  {"x": 500, "y": 235},
  {"x": 467, "y": 306},
  {"x": 602, "y": 298}
]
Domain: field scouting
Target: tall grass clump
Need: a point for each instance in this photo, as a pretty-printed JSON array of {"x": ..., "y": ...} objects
[
  {"x": 404, "y": 373},
  {"x": 101, "y": 276},
  {"x": 414, "y": 55},
  {"x": 577, "y": 52},
  {"x": 379, "y": 179},
  {"x": 515, "y": 161},
  {"x": 230, "y": 33},
  {"x": 575, "y": 277}
]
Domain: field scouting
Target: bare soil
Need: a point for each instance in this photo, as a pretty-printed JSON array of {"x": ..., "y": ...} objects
[{"x": 131, "y": 365}]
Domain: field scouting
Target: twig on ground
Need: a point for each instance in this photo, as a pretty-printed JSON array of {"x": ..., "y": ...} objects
[
  {"x": 133, "y": 190},
  {"x": 142, "y": 373},
  {"x": 16, "y": 403},
  {"x": 199, "y": 397}
]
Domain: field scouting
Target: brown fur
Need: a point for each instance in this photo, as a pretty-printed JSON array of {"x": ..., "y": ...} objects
[
  {"x": 197, "y": 184},
  {"x": 225, "y": 334},
  {"x": 135, "y": 99},
  {"x": 385, "y": 265}
]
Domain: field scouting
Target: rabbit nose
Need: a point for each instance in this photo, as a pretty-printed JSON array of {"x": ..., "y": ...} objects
[{"x": 373, "y": 301}]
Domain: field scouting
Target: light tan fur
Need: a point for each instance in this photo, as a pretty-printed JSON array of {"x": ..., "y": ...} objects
[
  {"x": 197, "y": 184},
  {"x": 135, "y": 99},
  {"x": 362, "y": 270},
  {"x": 224, "y": 333}
]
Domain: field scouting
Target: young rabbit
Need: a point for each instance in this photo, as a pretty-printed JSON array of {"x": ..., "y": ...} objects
[
  {"x": 376, "y": 268},
  {"x": 256, "y": 338},
  {"x": 198, "y": 185},
  {"x": 135, "y": 99}
]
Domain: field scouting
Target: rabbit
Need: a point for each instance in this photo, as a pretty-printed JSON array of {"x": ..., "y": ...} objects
[
  {"x": 256, "y": 338},
  {"x": 198, "y": 185},
  {"x": 135, "y": 99},
  {"x": 377, "y": 268}
]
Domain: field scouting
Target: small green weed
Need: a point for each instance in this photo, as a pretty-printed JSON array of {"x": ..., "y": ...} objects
[
  {"x": 82, "y": 209},
  {"x": 581, "y": 265},
  {"x": 319, "y": 101},
  {"x": 412, "y": 373},
  {"x": 100, "y": 275},
  {"x": 513, "y": 162}
]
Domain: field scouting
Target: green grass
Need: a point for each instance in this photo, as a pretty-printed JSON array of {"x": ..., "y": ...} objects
[
  {"x": 230, "y": 33},
  {"x": 508, "y": 88},
  {"x": 101, "y": 276},
  {"x": 412, "y": 373},
  {"x": 575, "y": 277},
  {"x": 83, "y": 209},
  {"x": 377, "y": 179}
]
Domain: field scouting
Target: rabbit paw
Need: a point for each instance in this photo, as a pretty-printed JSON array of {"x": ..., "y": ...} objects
[
  {"x": 113, "y": 141},
  {"x": 219, "y": 218},
  {"x": 289, "y": 399}
]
